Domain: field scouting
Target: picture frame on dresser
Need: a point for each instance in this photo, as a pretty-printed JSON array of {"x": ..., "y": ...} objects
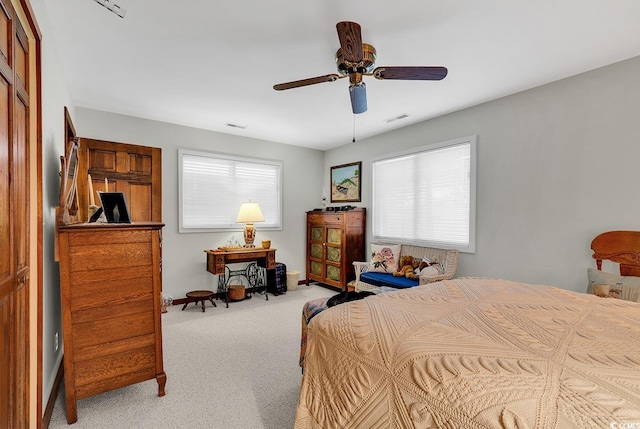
[
  {"x": 345, "y": 183},
  {"x": 115, "y": 207}
]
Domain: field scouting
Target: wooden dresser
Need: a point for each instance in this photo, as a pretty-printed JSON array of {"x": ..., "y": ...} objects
[
  {"x": 334, "y": 241},
  {"x": 111, "y": 285}
]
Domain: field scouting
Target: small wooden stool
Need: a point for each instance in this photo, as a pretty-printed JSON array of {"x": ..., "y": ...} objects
[{"x": 201, "y": 296}]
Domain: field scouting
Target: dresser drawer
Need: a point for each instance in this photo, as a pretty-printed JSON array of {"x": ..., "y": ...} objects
[
  {"x": 115, "y": 370},
  {"x": 326, "y": 218},
  {"x": 109, "y": 256},
  {"x": 109, "y": 331},
  {"x": 93, "y": 290}
]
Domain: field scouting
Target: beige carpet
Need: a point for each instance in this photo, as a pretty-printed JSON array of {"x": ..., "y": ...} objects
[{"x": 228, "y": 368}]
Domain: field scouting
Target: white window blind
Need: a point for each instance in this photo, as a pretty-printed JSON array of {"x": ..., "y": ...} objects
[
  {"x": 212, "y": 187},
  {"x": 426, "y": 196}
]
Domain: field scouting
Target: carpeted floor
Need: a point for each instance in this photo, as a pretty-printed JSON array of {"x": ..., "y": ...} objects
[{"x": 228, "y": 368}]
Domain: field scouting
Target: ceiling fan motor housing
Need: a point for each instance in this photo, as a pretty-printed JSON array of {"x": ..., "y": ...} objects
[{"x": 365, "y": 66}]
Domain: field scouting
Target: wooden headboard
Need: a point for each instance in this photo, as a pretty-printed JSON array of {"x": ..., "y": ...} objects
[{"x": 622, "y": 247}]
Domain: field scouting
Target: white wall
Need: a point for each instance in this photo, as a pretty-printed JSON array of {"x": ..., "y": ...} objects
[
  {"x": 54, "y": 97},
  {"x": 557, "y": 165},
  {"x": 183, "y": 257}
]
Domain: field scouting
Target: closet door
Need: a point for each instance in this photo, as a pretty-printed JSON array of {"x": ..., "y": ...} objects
[{"x": 14, "y": 221}]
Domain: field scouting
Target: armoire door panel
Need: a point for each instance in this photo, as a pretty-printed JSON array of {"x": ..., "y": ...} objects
[
  {"x": 333, "y": 254},
  {"x": 333, "y": 273},
  {"x": 334, "y": 235},
  {"x": 316, "y": 250}
]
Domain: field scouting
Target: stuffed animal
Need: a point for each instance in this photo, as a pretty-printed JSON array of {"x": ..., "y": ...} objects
[
  {"x": 407, "y": 267},
  {"x": 426, "y": 266}
]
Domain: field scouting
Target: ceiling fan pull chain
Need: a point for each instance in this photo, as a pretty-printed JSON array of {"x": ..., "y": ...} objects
[{"x": 354, "y": 128}]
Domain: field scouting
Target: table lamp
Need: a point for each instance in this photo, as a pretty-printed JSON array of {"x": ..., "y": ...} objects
[{"x": 249, "y": 213}]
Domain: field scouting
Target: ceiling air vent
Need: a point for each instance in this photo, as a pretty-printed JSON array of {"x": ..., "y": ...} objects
[
  {"x": 110, "y": 5},
  {"x": 396, "y": 118}
]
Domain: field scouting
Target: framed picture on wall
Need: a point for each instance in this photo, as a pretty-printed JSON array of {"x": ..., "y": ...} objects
[{"x": 345, "y": 183}]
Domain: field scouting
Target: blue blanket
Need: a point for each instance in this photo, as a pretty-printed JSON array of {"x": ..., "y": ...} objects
[{"x": 385, "y": 279}]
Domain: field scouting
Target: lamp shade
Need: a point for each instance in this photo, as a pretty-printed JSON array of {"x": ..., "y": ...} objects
[{"x": 250, "y": 212}]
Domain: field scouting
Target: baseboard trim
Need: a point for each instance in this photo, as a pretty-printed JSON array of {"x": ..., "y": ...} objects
[
  {"x": 48, "y": 412},
  {"x": 220, "y": 296}
]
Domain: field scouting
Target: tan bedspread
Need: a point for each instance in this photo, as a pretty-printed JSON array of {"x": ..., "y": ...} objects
[{"x": 473, "y": 353}]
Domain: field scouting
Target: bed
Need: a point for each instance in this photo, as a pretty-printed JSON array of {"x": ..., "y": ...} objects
[
  {"x": 621, "y": 248},
  {"x": 469, "y": 353},
  {"x": 473, "y": 353},
  {"x": 314, "y": 307}
]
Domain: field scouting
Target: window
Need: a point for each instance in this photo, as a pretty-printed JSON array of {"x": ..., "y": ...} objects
[
  {"x": 427, "y": 196},
  {"x": 212, "y": 187}
]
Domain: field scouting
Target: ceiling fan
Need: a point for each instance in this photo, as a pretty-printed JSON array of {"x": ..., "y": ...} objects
[{"x": 355, "y": 60}]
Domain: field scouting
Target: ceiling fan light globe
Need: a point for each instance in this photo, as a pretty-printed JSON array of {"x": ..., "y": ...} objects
[{"x": 358, "y": 94}]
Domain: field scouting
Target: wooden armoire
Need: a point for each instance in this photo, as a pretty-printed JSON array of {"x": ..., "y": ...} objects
[
  {"x": 110, "y": 274},
  {"x": 334, "y": 240}
]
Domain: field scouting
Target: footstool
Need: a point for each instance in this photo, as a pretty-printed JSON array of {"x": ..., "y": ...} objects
[{"x": 199, "y": 296}]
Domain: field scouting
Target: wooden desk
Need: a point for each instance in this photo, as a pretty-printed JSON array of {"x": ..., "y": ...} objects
[{"x": 217, "y": 261}]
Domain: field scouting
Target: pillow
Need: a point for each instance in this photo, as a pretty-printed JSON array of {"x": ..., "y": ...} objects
[
  {"x": 630, "y": 285},
  {"x": 429, "y": 271},
  {"x": 384, "y": 258},
  {"x": 429, "y": 267}
]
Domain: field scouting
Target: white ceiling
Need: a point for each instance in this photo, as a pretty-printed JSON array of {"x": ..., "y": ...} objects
[{"x": 206, "y": 63}]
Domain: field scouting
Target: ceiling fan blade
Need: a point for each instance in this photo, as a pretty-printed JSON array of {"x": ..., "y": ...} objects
[
  {"x": 410, "y": 73},
  {"x": 305, "y": 82},
  {"x": 350, "y": 41},
  {"x": 358, "y": 95}
]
